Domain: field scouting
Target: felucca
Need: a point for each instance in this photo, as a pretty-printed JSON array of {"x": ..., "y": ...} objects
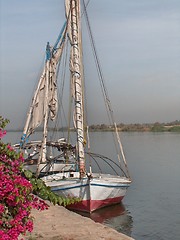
[{"x": 67, "y": 166}]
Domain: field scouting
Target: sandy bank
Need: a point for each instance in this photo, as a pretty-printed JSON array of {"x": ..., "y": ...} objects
[{"x": 58, "y": 223}]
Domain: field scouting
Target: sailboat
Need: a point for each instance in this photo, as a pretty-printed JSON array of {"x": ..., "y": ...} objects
[{"x": 62, "y": 164}]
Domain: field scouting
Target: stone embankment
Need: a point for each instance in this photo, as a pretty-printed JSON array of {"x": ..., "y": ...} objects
[{"x": 58, "y": 223}]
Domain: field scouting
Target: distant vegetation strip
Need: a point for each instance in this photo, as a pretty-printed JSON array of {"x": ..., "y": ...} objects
[{"x": 137, "y": 127}]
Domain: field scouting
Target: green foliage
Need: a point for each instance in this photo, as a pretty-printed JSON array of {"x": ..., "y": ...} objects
[
  {"x": 44, "y": 192},
  {"x": 16, "y": 198},
  {"x": 158, "y": 128},
  {"x": 174, "y": 129},
  {"x": 3, "y": 122}
]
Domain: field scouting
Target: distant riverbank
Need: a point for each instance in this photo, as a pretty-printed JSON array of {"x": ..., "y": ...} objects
[{"x": 121, "y": 127}]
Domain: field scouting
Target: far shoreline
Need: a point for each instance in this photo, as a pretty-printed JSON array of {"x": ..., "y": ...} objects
[{"x": 133, "y": 127}]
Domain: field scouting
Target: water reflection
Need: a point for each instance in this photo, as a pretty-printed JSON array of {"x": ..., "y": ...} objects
[{"x": 116, "y": 217}]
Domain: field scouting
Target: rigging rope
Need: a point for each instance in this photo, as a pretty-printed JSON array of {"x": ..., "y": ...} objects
[{"x": 104, "y": 91}]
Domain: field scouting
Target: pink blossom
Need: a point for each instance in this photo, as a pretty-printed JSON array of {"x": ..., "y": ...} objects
[
  {"x": 9, "y": 147},
  {"x": 16, "y": 198},
  {"x": 1, "y": 208},
  {"x": 2, "y": 133}
]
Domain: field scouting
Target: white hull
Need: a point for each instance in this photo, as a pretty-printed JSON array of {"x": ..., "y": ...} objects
[{"x": 96, "y": 192}]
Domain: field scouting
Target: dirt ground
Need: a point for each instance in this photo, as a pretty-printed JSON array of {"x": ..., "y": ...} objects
[{"x": 58, "y": 223}]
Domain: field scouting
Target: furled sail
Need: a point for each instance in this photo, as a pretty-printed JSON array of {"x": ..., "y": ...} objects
[
  {"x": 69, "y": 31},
  {"x": 74, "y": 32},
  {"x": 68, "y": 17},
  {"x": 45, "y": 96},
  {"x": 53, "y": 102},
  {"x": 37, "y": 114},
  {"x": 48, "y": 86}
]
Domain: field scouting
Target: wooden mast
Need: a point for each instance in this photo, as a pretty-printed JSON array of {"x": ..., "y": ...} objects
[{"x": 77, "y": 80}]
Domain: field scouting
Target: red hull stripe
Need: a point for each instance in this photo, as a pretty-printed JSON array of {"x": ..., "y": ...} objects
[{"x": 92, "y": 205}]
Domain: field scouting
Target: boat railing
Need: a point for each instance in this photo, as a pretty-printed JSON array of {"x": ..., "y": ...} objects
[{"x": 111, "y": 163}]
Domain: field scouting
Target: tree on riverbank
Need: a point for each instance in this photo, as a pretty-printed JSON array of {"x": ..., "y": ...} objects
[{"x": 137, "y": 127}]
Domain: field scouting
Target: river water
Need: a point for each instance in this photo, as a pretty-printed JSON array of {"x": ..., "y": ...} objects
[{"x": 151, "y": 208}]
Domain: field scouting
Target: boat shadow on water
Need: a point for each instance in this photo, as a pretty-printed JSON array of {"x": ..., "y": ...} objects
[{"x": 116, "y": 217}]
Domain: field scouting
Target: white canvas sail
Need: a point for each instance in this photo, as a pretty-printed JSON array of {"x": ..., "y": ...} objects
[
  {"x": 38, "y": 106},
  {"x": 52, "y": 98},
  {"x": 37, "y": 112},
  {"x": 46, "y": 89},
  {"x": 68, "y": 17}
]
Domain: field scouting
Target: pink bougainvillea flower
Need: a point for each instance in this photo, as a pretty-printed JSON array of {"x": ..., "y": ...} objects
[
  {"x": 16, "y": 198},
  {"x": 2, "y": 133}
]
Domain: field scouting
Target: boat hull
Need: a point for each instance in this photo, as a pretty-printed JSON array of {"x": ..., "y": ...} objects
[
  {"x": 92, "y": 205},
  {"x": 95, "y": 193}
]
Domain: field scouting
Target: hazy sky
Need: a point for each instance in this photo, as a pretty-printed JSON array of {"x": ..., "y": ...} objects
[{"x": 138, "y": 42}]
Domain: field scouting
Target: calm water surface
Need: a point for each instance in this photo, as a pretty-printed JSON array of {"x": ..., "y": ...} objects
[{"x": 151, "y": 208}]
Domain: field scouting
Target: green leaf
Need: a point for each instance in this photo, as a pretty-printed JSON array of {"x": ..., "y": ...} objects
[
  {"x": 28, "y": 174},
  {"x": 60, "y": 201},
  {"x": 40, "y": 183}
]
